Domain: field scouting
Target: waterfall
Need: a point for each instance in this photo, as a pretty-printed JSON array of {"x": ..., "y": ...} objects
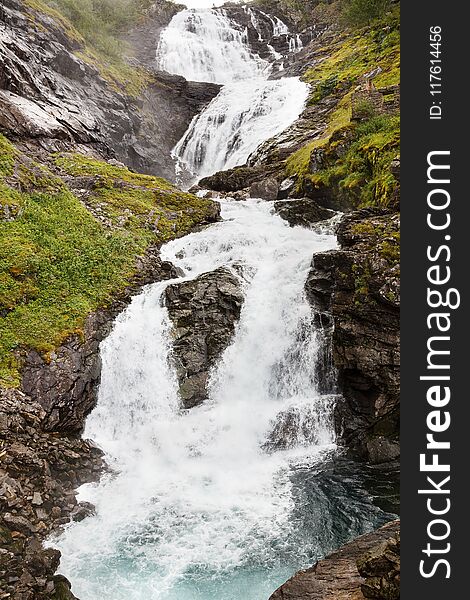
[
  {"x": 206, "y": 45},
  {"x": 203, "y": 497},
  {"x": 243, "y": 115},
  {"x": 228, "y": 499}
]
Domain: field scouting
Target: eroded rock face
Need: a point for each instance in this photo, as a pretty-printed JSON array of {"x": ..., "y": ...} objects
[
  {"x": 304, "y": 212},
  {"x": 337, "y": 577},
  {"x": 380, "y": 568},
  {"x": 52, "y": 97},
  {"x": 358, "y": 286},
  {"x": 204, "y": 313}
]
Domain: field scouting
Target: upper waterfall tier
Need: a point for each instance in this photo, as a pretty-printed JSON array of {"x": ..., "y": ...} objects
[{"x": 205, "y": 45}]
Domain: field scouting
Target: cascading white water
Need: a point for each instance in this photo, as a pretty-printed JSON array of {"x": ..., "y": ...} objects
[
  {"x": 220, "y": 502},
  {"x": 199, "y": 506},
  {"x": 205, "y": 45},
  {"x": 237, "y": 121}
]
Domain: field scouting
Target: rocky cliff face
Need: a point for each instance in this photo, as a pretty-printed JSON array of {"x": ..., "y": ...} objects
[
  {"x": 358, "y": 286},
  {"x": 204, "y": 312},
  {"x": 337, "y": 576},
  {"x": 56, "y": 93},
  {"x": 68, "y": 113}
]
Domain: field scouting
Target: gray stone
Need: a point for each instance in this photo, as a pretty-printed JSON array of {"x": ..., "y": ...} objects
[
  {"x": 267, "y": 189},
  {"x": 304, "y": 212},
  {"x": 204, "y": 312},
  {"x": 336, "y": 577}
]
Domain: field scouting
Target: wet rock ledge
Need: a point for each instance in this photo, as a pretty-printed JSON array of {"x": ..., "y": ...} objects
[
  {"x": 367, "y": 567},
  {"x": 204, "y": 313},
  {"x": 358, "y": 287}
]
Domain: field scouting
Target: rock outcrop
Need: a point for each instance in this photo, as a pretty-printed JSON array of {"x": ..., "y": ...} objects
[
  {"x": 204, "y": 313},
  {"x": 55, "y": 94},
  {"x": 358, "y": 286},
  {"x": 380, "y": 568},
  {"x": 39, "y": 473},
  {"x": 304, "y": 212},
  {"x": 337, "y": 577}
]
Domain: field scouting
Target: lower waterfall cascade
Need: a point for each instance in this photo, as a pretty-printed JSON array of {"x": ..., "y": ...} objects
[{"x": 195, "y": 506}]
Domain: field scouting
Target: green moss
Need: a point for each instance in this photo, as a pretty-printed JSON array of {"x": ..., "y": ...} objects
[
  {"x": 382, "y": 235},
  {"x": 359, "y": 166},
  {"x": 79, "y": 165},
  {"x": 362, "y": 276},
  {"x": 119, "y": 74},
  {"x": 298, "y": 163},
  {"x": 58, "y": 263},
  {"x": 357, "y": 54},
  {"x": 57, "y": 18},
  {"x": 8, "y": 155}
]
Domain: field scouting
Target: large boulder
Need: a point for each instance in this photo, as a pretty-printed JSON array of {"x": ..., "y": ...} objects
[
  {"x": 267, "y": 189},
  {"x": 304, "y": 212},
  {"x": 204, "y": 313}
]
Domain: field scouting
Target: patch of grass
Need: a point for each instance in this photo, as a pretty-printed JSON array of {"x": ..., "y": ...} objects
[
  {"x": 298, "y": 163},
  {"x": 58, "y": 263},
  {"x": 7, "y": 157},
  {"x": 357, "y": 54},
  {"x": 94, "y": 27},
  {"x": 50, "y": 10}
]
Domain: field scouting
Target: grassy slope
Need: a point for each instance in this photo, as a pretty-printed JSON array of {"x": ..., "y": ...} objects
[
  {"x": 355, "y": 156},
  {"x": 97, "y": 51},
  {"x": 57, "y": 262}
]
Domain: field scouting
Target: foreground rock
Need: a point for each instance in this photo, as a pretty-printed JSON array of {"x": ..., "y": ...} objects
[
  {"x": 337, "y": 577},
  {"x": 381, "y": 570},
  {"x": 358, "y": 286},
  {"x": 304, "y": 212},
  {"x": 204, "y": 313},
  {"x": 39, "y": 473}
]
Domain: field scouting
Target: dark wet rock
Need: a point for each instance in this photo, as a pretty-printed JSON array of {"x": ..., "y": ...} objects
[
  {"x": 233, "y": 180},
  {"x": 358, "y": 287},
  {"x": 204, "y": 313},
  {"x": 380, "y": 568},
  {"x": 304, "y": 212},
  {"x": 82, "y": 511},
  {"x": 39, "y": 473},
  {"x": 286, "y": 187},
  {"x": 337, "y": 577},
  {"x": 267, "y": 189}
]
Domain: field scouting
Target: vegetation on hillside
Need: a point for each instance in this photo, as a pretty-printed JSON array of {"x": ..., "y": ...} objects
[
  {"x": 354, "y": 157},
  {"x": 348, "y": 13},
  {"x": 101, "y": 22},
  {"x": 94, "y": 33},
  {"x": 58, "y": 262}
]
